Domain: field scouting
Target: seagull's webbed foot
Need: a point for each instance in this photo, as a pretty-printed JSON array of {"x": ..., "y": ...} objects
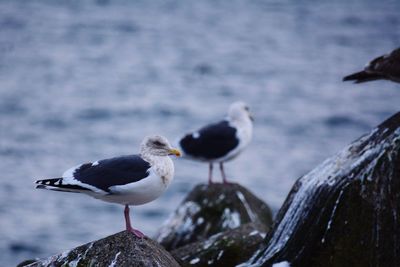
[
  {"x": 136, "y": 232},
  {"x": 226, "y": 182}
]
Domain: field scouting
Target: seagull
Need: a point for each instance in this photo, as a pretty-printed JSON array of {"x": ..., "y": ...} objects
[
  {"x": 386, "y": 67},
  {"x": 127, "y": 180},
  {"x": 221, "y": 141}
]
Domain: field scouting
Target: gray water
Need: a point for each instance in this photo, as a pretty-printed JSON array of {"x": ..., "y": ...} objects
[{"x": 86, "y": 80}]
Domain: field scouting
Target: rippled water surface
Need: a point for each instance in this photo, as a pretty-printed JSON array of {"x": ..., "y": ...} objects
[{"x": 85, "y": 80}]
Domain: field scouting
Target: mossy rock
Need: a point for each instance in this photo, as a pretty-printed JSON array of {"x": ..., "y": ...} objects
[
  {"x": 26, "y": 263},
  {"x": 211, "y": 209}
]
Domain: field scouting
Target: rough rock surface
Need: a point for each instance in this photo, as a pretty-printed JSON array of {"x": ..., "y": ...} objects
[
  {"x": 121, "y": 249},
  {"x": 346, "y": 212},
  {"x": 228, "y": 248},
  {"x": 211, "y": 209}
]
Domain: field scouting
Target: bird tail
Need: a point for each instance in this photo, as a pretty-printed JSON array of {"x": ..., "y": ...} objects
[
  {"x": 362, "y": 76},
  {"x": 57, "y": 184}
]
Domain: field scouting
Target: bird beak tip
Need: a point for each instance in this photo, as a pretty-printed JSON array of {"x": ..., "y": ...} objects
[{"x": 175, "y": 152}]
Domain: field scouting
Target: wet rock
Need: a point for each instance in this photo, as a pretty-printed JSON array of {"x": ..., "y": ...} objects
[
  {"x": 346, "y": 212},
  {"x": 209, "y": 210},
  {"x": 228, "y": 248},
  {"x": 26, "y": 262},
  {"x": 121, "y": 249}
]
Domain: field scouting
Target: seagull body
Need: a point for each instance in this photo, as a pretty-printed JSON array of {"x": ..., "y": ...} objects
[
  {"x": 221, "y": 141},
  {"x": 126, "y": 180},
  {"x": 386, "y": 67}
]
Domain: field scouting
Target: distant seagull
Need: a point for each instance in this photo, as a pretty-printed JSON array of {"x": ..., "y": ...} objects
[
  {"x": 222, "y": 141},
  {"x": 386, "y": 67},
  {"x": 127, "y": 180}
]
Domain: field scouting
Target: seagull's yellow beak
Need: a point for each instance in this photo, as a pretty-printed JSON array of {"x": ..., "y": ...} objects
[{"x": 175, "y": 152}]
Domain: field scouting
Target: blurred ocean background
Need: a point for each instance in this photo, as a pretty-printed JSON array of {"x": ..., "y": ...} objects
[{"x": 86, "y": 80}]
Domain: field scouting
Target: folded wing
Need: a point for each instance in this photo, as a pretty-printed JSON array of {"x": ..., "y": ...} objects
[
  {"x": 210, "y": 142},
  {"x": 100, "y": 176}
]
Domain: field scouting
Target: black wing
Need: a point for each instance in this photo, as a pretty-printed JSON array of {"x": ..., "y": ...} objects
[
  {"x": 114, "y": 171},
  {"x": 211, "y": 142}
]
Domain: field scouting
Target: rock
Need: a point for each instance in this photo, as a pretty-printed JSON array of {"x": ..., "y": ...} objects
[
  {"x": 121, "y": 249},
  {"x": 211, "y": 209},
  {"x": 26, "y": 262},
  {"x": 228, "y": 248},
  {"x": 346, "y": 212}
]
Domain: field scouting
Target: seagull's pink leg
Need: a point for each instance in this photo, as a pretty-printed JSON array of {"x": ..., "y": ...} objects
[
  {"x": 128, "y": 224},
  {"x": 210, "y": 170},
  {"x": 221, "y": 167}
]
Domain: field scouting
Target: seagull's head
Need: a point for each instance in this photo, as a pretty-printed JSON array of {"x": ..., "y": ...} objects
[
  {"x": 239, "y": 111},
  {"x": 158, "y": 145}
]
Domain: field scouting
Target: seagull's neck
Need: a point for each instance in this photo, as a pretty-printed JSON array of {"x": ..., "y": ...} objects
[
  {"x": 241, "y": 122},
  {"x": 152, "y": 159},
  {"x": 162, "y": 165},
  {"x": 244, "y": 128}
]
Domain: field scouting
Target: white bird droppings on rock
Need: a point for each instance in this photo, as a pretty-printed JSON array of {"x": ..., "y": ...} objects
[
  {"x": 194, "y": 261},
  {"x": 281, "y": 264}
]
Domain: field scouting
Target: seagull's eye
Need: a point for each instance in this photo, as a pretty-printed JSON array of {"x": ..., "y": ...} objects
[
  {"x": 247, "y": 108},
  {"x": 158, "y": 143}
]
